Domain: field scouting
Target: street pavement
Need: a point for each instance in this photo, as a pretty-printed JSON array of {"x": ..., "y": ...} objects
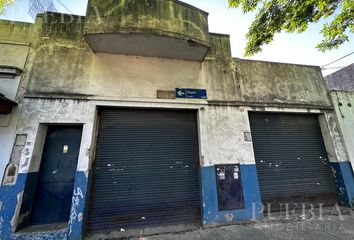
[{"x": 330, "y": 226}]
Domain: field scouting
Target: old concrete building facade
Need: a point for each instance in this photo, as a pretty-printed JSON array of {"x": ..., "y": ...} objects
[{"x": 136, "y": 116}]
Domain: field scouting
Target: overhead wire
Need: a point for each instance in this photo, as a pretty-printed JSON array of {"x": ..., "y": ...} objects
[
  {"x": 63, "y": 5},
  {"x": 323, "y": 67},
  {"x": 328, "y": 68}
]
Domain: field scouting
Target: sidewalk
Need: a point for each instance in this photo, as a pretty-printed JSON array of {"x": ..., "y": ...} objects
[{"x": 329, "y": 227}]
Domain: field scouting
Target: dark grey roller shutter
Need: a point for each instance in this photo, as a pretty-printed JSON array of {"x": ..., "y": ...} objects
[
  {"x": 146, "y": 170},
  {"x": 291, "y": 158}
]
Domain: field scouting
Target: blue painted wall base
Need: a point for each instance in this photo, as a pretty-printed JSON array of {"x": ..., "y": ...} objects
[
  {"x": 15, "y": 202},
  {"x": 344, "y": 179},
  {"x": 79, "y": 206},
  {"x": 252, "y": 198},
  {"x": 12, "y": 198}
]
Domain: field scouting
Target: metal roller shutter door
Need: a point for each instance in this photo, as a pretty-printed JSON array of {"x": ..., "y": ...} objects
[
  {"x": 146, "y": 170},
  {"x": 291, "y": 158}
]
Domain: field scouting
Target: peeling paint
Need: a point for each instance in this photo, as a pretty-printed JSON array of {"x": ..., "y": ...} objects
[
  {"x": 80, "y": 217},
  {"x": 23, "y": 216},
  {"x": 229, "y": 217},
  {"x": 1, "y": 226},
  {"x": 15, "y": 218}
]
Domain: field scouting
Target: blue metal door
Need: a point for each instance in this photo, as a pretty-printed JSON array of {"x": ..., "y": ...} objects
[{"x": 55, "y": 184}]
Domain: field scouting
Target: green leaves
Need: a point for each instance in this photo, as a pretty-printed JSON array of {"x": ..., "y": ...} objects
[
  {"x": 274, "y": 16},
  {"x": 247, "y": 5},
  {"x": 4, "y": 3}
]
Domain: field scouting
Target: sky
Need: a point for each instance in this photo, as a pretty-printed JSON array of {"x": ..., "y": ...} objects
[{"x": 289, "y": 48}]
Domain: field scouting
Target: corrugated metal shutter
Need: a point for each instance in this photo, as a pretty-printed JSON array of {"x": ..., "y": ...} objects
[
  {"x": 291, "y": 158},
  {"x": 146, "y": 170}
]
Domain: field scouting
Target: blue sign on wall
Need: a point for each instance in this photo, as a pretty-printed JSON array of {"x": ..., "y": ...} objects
[{"x": 191, "y": 93}]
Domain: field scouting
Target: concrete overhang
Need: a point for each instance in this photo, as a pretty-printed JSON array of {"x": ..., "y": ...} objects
[
  {"x": 6, "y": 104},
  {"x": 151, "y": 28},
  {"x": 147, "y": 45},
  {"x": 9, "y": 71}
]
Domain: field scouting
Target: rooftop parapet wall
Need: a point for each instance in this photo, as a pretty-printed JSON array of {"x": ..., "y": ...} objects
[
  {"x": 61, "y": 26},
  {"x": 17, "y": 32},
  {"x": 163, "y": 17},
  {"x": 266, "y": 83},
  {"x": 220, "y": 47},
  {"x": 56, "y": 26},
  {"x": 281, "y": 83}
]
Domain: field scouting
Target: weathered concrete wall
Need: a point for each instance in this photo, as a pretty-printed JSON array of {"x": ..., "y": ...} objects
[
  {"x": 220, "y": 47},
  {"x": 247, "y": 82},
  {"x": 12, "y": 54},
  {"x": 61, "y": 27},
  {"x": 64, "y": 64},
  {"x": 256, "y": 82},
  {"x": 48, "y": 25},
  {"x": 222, "y": 136},
  {"x": 109, "y": 75},
  {"x": 282, "y": 83},
  {"x": 18, "y": 31},
  {"x": 37, "y": 112},
  {"x": 242, "y": 81},
  {"x": 222, "y": 129},
  {"x": 162, "y": 17}
]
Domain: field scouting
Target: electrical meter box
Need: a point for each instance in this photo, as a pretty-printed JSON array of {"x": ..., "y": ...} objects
[{"x": 229, "y": 187}]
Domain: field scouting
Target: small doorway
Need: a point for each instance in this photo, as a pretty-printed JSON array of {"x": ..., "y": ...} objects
[{"x": 53, "y": 196}]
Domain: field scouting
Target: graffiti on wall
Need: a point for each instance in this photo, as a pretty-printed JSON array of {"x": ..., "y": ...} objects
[{"x": 75, "y": 214}]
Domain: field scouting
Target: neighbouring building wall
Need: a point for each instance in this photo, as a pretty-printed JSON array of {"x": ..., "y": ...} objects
[
  {"x": 11, "y": 55},
  {"x": 344, "y": 106},
  {"x": 8, "y": 125},
  {"x": 342, "y": 80},
  {"x": 341, "y": 87}
]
